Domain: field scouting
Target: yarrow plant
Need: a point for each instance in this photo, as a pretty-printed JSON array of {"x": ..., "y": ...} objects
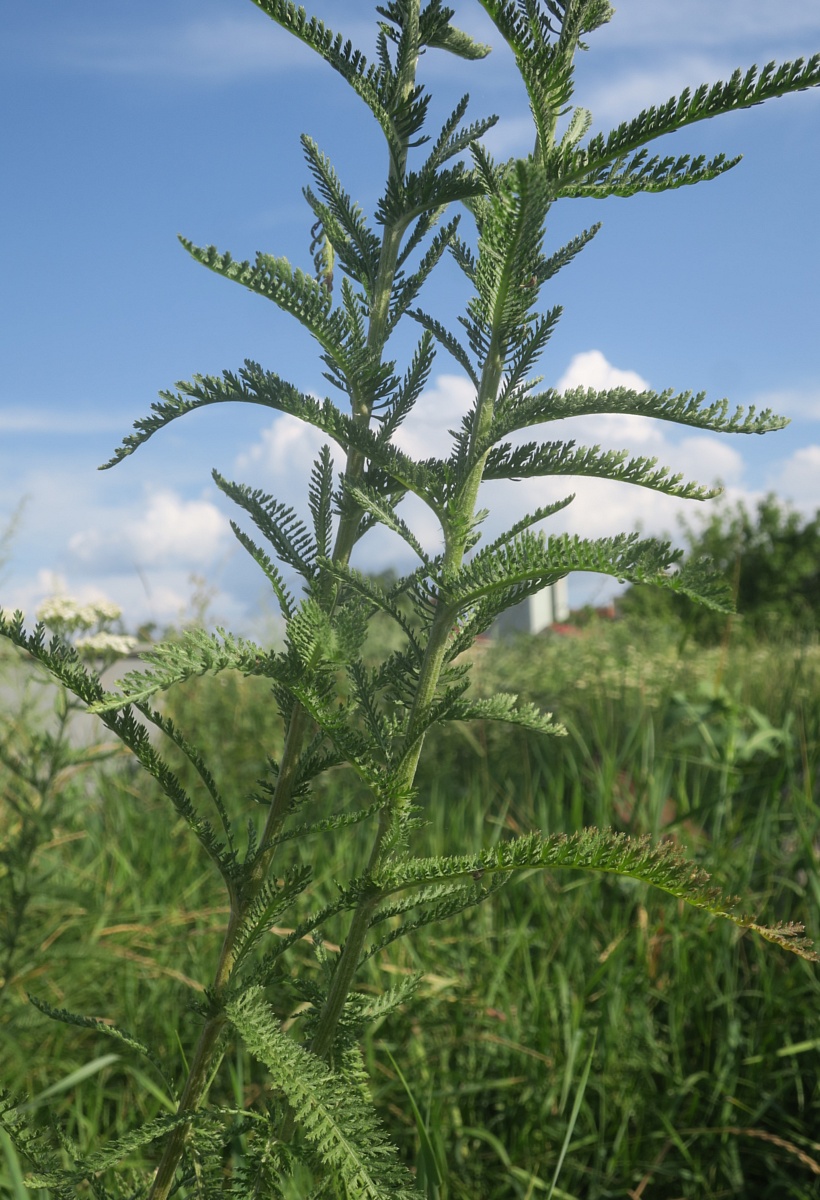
[
  {"x": 443, "y": 194},
  {"x": 67, "y": 617},
  {"x": 41, "y": 765}
]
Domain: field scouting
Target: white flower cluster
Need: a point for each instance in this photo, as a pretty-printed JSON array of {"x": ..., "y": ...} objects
[
  {"x": 104, "y": 644},
  {"x": 65, "y": 614}
]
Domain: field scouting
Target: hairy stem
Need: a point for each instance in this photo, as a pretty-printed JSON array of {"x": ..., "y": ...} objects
[
  {"x": 298, "y": 726},
  {"x": 430, "y": 674}
]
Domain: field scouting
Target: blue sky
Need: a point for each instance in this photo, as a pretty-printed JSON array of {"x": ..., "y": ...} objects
[{"x": 127, "y": 124}]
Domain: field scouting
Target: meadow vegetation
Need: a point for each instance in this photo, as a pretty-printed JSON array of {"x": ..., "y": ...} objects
[{"x": 701, "y": 1042}]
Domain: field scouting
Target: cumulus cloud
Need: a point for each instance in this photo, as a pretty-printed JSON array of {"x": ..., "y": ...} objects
[
  {"x": 169, "y": 532},
  {"x": 672, "y": 47},
  {"x": 590, "y": 369},
  {"x": 797, "y": 479},
  {"x": 709, "y": 459},
  {"x": 800, "y": 403},
  {"x": 164, "y": 596},
  {"x": 601, "y": 508},
  {"x": 439, "y": 409},
  {"x": 141, "y": 549},
  {"x": 281, "y": 461},
  {"x": 285, "y": 453}
]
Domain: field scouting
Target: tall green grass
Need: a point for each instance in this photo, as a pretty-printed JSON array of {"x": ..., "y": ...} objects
[{"x": 580, "y": 1037}]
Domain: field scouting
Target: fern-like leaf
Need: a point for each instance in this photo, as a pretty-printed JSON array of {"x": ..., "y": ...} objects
[
  {"x": 744, "y": 89},
  {"x": 61, "y": 661},
  {"x": 194, "y": 652},
  {"x": 525, "y": 356},
  {"x": 407, "y": 393},
  {"x": 382, "y": 511},
  {"x": 320, "y": 499},
  {"x": 682, "y": 408},
  {"x": 506, "y": 461},
  {"x": 368, "y": 81},
  {"x": 334, "y": 1119},
  {"x": 122, "y": 1036},
  {"x": 286, "y": 602},
  {"x": 291, "y": 290},
  {"x": 355, "y": 243},
  {"x": 273, "y": 899},
  {"x": 661, "y": 865},
  {"x": 381, "y": 600},
  {"x": 406, "y": 292},
  {"x": 543, "y": 60},
  {"x": 197, "y": 761},
  {"x": 447, "y": 340},
  {"x": 452, "y": 140},
  {"x": 435, "y": 903},
  {"x": 391, "y": 999},
  {"x": 643, "y": 174},
  {"x": 255, "y": 386},
  {"x": 529, "y": 562},
  {"x": 538, "y": 514},
  {"x": 503, "y": 706},
  {"x": 329, "y": 824},
  {"x": 510, "y": 261},
  {"x": 31, "y": 1142},
  {"x": 279, "y": 523}
]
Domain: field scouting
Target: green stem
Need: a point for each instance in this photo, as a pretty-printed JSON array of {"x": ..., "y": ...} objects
[
  {"x": 198, "y": 1077},
  {"x": 432, "y": 666}
]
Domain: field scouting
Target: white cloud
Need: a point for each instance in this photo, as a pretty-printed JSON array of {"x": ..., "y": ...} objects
[
  {"x": 800, "y": 403},
  {"x": 648, "y": 24},
  {"x": 28, "y": 419},
  {"x": 797, "y": 479},
  {"x": 286, "y": 451},
  {"x": 170, "y": 532},
  {"x": 601, "y": 508},
  {"x": 165, "y": 596},
  {"x": 709, "y": 460},
  {"x": 142, "y": 548},
  {"x": 510, "y": 135},
  {"x": 281, "y": 461},
  {"x": 659, "y": 47},
  {"x": 590, "y": 369},
  {"x": 623, "y": 96},
  {"x": 439, "y": 408}
]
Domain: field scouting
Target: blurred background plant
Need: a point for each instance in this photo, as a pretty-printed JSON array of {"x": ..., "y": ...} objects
[
  {"x": 771, "y": 557},
  {"x": 45, "y": 760}
]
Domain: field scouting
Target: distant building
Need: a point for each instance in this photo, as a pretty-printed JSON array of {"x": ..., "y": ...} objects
[{"x": 548, "y": 607}]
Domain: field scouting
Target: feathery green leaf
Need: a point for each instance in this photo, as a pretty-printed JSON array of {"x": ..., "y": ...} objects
[
  {"x": 744, "y": 89},
  {"x": 661, "y": 865},
  {"x": 532, "y": 459},
  {"x": 334, "y": 1118},
  {"x": 682, "y": 408},
  {"x": 369, "y": 82}
]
